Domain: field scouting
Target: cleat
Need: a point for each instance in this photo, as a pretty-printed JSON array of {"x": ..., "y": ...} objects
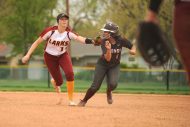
[
  {"x": 72, "y": 103},
  {"x": 82, "y": 103},
  {"x": 109, "y": 97}
]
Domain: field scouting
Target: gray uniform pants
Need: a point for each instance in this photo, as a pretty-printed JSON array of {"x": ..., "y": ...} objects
[{"x": 111, "y": 74}]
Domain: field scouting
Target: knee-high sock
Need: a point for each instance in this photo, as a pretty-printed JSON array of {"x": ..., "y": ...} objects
[{"x": 70, "y": 89}]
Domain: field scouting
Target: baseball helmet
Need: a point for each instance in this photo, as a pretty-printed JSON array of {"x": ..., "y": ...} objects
[
  {"x": 112, "y": 28},
  {"x": 61, "y": 15}
]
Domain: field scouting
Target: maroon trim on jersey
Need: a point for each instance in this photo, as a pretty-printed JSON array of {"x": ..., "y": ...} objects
[
  {"x": 53, "y": 28},
  {"x": 69, "y": 29},
  {"x": 68, "y": 35},
  {"x": 48, "y": 39}
]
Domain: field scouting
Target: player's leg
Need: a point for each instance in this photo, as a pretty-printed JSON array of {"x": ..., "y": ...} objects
[
  {"x": 53, "y": 68},
  {"x": 57, "y": 88},
  {"x": 99, "y": 75},
  {"x": 112, "y": 81},
  {"x": 66, "y": 65},
  {"x": 58, "y": 91},
  {"x": 181, "y": 33}
]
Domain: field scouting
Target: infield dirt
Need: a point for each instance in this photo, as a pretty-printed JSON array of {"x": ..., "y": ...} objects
[{"x": 38, "y": 109}]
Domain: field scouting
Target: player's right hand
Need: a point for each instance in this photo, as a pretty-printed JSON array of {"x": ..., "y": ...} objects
[{"x": 25, "y": 59}]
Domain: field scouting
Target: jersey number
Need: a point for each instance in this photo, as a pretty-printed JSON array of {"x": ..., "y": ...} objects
[{"x": 62, "y": 48}]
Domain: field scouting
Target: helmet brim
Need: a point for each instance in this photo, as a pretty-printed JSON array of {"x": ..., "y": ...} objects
[{"x": 106, "y": 30}]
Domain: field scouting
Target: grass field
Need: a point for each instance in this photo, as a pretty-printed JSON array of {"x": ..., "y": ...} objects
[{"x": 82, "y": 86}]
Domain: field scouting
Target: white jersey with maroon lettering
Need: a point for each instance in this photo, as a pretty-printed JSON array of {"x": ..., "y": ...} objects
[{"x": 57, "y": 43}]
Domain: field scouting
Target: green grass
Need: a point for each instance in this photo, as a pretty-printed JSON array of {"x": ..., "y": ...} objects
[
  {"x": 82, "y": 86},
  {"x": 24, "y": 85}
]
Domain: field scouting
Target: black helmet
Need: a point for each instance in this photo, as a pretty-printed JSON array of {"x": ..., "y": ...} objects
[
  {"x": 112, "y": 28},
  {"x": 61, "y": 16}
]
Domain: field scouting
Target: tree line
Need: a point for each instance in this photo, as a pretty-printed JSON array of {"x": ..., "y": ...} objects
[{"x": 23, "y": 20}]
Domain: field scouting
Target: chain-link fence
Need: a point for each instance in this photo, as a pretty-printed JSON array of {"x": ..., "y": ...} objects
[{"x": 129, "y": 78}]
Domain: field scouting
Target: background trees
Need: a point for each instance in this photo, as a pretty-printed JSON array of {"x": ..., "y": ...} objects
[{"x": 22, "y": 20}]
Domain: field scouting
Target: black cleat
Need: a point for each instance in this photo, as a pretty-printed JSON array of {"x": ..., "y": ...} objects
[
  {"x": 109, "y": 97},
  {"x": 81, "y": 103}
]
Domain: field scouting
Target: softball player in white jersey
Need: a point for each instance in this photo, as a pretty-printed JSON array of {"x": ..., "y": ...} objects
[{"x": 55, "y": 54}]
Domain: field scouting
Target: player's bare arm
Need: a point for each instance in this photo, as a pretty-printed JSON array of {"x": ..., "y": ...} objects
[
  {"x": 85, "y": 40},
  {"x": 81, "y": 39},
  {"x": 132, "y": 51},
  {"x": 108, "y": 52},
  {"x": 152, "y": 13},
  {"x": 151, "y": 17},
  {"x": 31, "y": 50}
]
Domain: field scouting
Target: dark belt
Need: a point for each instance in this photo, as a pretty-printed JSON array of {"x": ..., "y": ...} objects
[{"x": 56, "y": 55}]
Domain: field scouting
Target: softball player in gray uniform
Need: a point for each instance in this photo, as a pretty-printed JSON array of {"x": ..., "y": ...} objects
[{"x": 108, "y": 64}]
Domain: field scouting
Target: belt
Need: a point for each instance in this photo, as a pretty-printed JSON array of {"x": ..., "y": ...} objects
[{"x": 54, "y": 55}]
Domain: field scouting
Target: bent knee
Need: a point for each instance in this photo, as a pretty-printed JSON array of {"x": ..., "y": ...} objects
[
  {"x": 113, "y": 86},
  {"x": 69, "y": 76},
  {"x": 59, "y": 82}
]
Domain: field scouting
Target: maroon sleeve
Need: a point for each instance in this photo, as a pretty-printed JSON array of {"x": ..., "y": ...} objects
[{"x": 47, "y": 30}]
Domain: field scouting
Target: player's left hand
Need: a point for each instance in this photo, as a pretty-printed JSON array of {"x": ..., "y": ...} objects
[{"x": 108, "y": 45}]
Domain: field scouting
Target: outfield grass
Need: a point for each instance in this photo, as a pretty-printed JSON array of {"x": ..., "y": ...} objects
[{"x": 82, "y": 86}]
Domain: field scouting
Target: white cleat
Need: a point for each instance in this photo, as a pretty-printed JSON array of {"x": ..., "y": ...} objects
[{"x": 72, "y": 103}]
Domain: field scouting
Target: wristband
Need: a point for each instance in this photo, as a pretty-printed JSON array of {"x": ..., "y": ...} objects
[{"x": 88, "y": 41}]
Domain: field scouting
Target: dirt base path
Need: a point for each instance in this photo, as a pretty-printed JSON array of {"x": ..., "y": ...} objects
[{"x": 36, "y": 109}]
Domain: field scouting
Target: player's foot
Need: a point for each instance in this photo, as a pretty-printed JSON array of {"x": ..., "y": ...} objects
[
  {"x": 109, "y": 97},
  {"x": 60, "y": 101},
  {"x": 82, "y": 103},
  {"x": 72, "y": 103}
]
